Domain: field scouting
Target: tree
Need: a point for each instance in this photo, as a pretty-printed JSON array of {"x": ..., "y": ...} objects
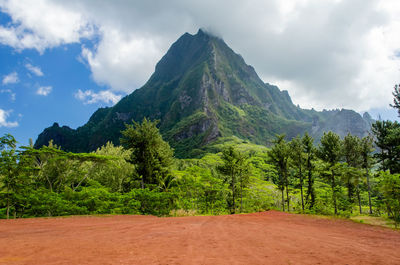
[
  {"x": 8, "y": 168},
  {"x": 396, "y": 99},
  {"x": 367, "y": 162},
  {"x": 58, "y": 169},
  {"x": 151, "y": 155},
  {"x": 234, "y": 169},
  {"x": 329, "y": 151},
  {"x": 298, "y": 159},
  {"x": 309, "y": 151},
  {"x": 243, "y": 174},
  {"x": 387, "y": 139},
  {"x": 116, "y": 174},
  {"x": 279, "y": 156},
  {"x": 390, "y": 188},
  {"x": 352, "y": 157},
  {"x": 14, "y": 175}
]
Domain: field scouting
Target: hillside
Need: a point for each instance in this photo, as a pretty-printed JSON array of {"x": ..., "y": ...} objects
[{"x": 202, "y": 90}]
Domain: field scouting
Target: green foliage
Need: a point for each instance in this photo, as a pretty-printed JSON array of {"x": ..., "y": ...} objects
[
  {"x": 14, "y": 178},
  {"x": 387, "y": 139},
  {"x": 298, "y": 158},
  {"x": 330, "y": 152},
  {"x": 235, "y": 169},
  {"x": 118, "y": 174},
  {"x": 51, "y": 182},
  {"x": 309, "y": 152},
  {"x": 352, "y": 156},
  {"x": 390, "y": 189},
  {"x": 151, "y": 155},
  {"x": 279, "y": 157},
  {"x": 396, "y": 98}
]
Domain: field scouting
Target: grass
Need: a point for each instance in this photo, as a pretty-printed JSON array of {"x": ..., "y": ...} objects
[{"x": 374, "y": 220}]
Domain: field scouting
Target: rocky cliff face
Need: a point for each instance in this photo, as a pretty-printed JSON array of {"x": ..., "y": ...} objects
[{"x": 202, "y": 90}]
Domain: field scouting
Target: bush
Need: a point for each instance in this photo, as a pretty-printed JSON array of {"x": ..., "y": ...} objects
[{"x": 152, "y": 202}]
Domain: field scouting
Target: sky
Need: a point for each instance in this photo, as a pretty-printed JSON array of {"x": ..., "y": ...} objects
[{"x": 62, "y": 60}]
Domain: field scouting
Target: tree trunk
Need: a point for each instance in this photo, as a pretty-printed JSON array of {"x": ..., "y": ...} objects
[
  {"x": 359, "y": 201},
  {"x": 142, "y": 182},
  {"x": 80, "y": 182},
  {"x": 350, "y": 193},
  {"x": 333, "y": 192},
  {"x": 233, "y": 202},
  {"x": 310, "y": 187},
  {"x": 302, "y": 200},
  {"x": 241, "y": 198},
  {"x": 50, "y": 184},
  {"x": 283, "y": 199},
  {"x": 287, "y": 197},
  {"x": 8, "y": 208},
  {"x": 301, "y": 190},
  {"x": 369, "y": 192},
  {"x": 233, "y": 196},
  {"x": 287, "y": 191},
  {"x": 8, "y": 201}
]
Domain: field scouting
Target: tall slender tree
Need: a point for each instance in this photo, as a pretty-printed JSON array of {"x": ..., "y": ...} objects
[
  {"x": 8, "y": 169},
  {"x": 298, "y": 158},
  {"x": 367, "y": 162},
  {"x": 330, "y": 152},
  {"x": 352, "y": 157},
  {"x": 234, "y": 170},
  {"x": 309, "y": 151},
  {"x": 279, "y": 156}
]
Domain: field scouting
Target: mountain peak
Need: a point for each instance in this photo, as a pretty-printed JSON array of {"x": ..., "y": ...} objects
[
  {"x": 206, "y": 33},
  {"x": 200, "y": 32},
  {"x": 200, "y": 90}
]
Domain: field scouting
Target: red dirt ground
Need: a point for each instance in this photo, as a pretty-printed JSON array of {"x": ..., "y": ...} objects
[{"x": 261, "y": 238}]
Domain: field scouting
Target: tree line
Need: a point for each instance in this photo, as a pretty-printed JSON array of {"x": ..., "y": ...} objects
[{"x": 336, "y": 176}]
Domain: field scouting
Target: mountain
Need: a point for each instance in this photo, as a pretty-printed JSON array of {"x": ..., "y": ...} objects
[{"x": 202, "y": 90}]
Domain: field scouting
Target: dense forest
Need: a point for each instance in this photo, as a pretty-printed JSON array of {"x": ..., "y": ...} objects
[{"x": 333, "y": 177}]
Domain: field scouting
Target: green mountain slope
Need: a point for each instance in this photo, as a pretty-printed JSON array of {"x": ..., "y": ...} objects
[{"x": 201, "y": 90}]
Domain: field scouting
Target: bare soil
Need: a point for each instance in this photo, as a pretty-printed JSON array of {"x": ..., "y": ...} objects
[{"x": 262, "y": 238}]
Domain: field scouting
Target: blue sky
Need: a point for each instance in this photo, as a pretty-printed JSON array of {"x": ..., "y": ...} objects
[
  {"x": 38, "y": 89},
  {"x": 63, "y": 75},
  {"x": 61, "y": 60}
]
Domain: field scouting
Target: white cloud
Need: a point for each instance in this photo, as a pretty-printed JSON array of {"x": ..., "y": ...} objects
[
  {"x": 10, "y": 92},
  {"x": 42, "y": 25},
  {"x": 3, "y": 119},
  {"x": 11, "y": 78},
  {"x": 327, "y": 54},
  {"x": 90, "y": 97},
  {"x": 44, "y": 90},
  {"x": 122, "y": 61},
  {"x": 34, "y": 69}
]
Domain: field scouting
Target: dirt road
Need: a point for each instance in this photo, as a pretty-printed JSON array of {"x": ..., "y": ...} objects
[{"x": 262, "y": 238}]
